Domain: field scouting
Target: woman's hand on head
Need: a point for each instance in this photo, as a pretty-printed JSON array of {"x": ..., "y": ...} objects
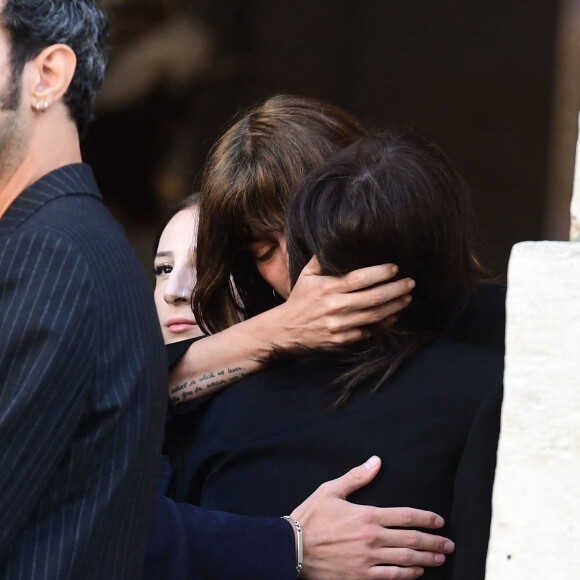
[{"x": 325, "y": 310}]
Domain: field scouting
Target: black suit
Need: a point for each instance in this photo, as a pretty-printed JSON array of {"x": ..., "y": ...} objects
[
  {"x": 82, "y": 387},
  {"x": 262, "y": 447}
]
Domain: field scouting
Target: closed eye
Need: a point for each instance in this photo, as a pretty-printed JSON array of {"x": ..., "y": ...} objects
[
  {"x": 263, "y": 250},
  {"x": 265, "y": 256}
]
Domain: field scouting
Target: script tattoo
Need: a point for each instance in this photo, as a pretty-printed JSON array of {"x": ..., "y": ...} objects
[
  {"x": 178, "y": 394},
  {"x": 182, "y": 386}
]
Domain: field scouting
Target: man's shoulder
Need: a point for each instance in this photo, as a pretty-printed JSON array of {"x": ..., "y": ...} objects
[
  {"x": 67, "y": 202},
  {"x": 78, "y": 223},
  {"x": 63, "y": 214},
  {"x": 80, "y": 214}
]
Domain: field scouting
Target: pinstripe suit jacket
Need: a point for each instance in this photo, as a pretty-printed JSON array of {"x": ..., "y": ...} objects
[{"x": 82, "y": 387}]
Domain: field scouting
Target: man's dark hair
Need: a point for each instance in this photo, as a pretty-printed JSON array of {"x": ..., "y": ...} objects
[{"x": 34, "y": 25}]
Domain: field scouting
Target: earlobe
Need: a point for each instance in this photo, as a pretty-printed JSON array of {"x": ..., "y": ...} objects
[{"x": 53, "y": 70}]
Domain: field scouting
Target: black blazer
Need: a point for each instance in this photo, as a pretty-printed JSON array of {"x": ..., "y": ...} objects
[
  {"x": 262, "y": 447},
  {"x": 82, "y": 387}
]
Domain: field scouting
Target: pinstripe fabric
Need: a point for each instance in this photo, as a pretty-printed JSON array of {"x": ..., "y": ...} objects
[{"x": 82, "y": 388}]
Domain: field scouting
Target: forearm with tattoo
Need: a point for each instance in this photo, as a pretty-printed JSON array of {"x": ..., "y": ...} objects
[{"x": 207, "y": 382}]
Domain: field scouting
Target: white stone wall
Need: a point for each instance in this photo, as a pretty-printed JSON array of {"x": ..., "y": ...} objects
[
  {"x": 575, "y": 217},
  {"x": 536, "y": 505},
  {"x": 575, "y": 209}
]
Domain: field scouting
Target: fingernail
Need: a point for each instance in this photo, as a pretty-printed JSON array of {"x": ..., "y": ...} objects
[
  {"x": 439, "y": 522},
  {"x": 394, "y": 269},
  {"x": 372, "y": 462},
  {"x": 411, "y": 284},
  {"x": 439, "y": 558},
  {"x": 449, "y": 547}
]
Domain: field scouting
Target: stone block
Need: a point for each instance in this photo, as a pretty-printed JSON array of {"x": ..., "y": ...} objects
[{"x": 535, "y": 530}]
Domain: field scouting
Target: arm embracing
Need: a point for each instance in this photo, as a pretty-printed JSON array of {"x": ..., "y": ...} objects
[
  {"x": 342, "y": 541},
  {"x": 189, "y": 543},
  {"x": 45, "y": 341},
  {"x": 320, "y": 310}
]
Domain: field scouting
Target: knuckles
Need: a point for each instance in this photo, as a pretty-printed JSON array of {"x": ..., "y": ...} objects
[
  {"x": 375, "y": 316},
  {"x": 326, "y": 488},
  {"x": 407, "y": 518},
  {"x": 367, "y": 535},
  {"x": 413, "y": 541},
  {"x": 405, "y": 557}
]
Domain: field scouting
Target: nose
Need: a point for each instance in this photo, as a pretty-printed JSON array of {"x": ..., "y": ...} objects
[{"x": 180, "y": 284}]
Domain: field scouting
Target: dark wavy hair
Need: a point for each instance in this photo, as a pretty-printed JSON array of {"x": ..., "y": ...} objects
[
  {"x": 246, "y": 186},
  {"x": 34, "y": 25},
  {"x": 389, "y": 198}
]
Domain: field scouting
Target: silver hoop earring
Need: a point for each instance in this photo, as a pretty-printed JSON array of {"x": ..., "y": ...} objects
[{"x": 38, "y": 108}]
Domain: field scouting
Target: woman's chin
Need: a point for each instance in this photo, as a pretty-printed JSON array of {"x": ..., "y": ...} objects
[{"x": 171, "y": 337}]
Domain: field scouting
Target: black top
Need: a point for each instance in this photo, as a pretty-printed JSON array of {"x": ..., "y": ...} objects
[
  {"x": 265, "y": 445},
  {"x": 482, "y": 321}
]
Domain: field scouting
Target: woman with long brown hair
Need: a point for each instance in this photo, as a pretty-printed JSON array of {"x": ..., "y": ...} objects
[
  {"x": 429, "y": 406},
  {"x": 246, "y": 186}
]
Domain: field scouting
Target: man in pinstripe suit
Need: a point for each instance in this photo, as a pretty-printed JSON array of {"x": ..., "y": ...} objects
[{"x": 82, "y": 365}]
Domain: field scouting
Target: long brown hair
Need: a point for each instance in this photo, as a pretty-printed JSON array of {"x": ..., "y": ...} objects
[
  {"x": 389, "y": 198},
  {"x": 246, "y": 185}
]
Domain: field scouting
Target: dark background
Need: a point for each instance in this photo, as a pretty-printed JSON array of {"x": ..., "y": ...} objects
[{"x": 477, "y": 77}]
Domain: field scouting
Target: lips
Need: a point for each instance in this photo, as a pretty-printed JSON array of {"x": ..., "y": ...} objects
[{"x": 179, "y": 325}]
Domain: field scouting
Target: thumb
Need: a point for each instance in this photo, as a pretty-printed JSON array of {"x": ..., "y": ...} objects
[
  {"x": 357, "y": 477},
  {"x": 312, "y": 268}
]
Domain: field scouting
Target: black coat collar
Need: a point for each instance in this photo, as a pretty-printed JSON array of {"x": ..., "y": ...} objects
[{"x": 68, "y": 180}]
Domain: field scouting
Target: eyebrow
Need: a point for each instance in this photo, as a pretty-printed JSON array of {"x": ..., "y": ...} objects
[{"x": 163, "y": 254}]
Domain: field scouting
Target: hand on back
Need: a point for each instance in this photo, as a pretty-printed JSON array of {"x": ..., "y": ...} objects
[{"x": 346, "y": 541}]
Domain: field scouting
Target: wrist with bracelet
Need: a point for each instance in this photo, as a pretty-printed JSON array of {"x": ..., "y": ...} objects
[{"x": 299, "y": 548}]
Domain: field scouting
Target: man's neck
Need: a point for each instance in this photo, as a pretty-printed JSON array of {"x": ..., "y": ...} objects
[{"x": 48, "y": 150}]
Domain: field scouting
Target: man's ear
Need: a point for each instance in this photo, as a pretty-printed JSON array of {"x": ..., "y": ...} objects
[{"x": 49, "y": 75}]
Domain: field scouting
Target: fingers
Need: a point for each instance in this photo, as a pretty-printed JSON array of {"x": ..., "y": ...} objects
[
  {"x": 408, "y": 557},
  {"x": 380, "y": 295},
  {"x": 370, "y": 306},
  {"x": 375, "y": 314},
  {"x": 356, "y": 478},
  {"x": 357, "y": 279},
  {"x": 423, "y": 548},
  {"x": 365, "y": 277},
  {"x": 394, "y": 573},
  {"x": 405, "y": 517},
  {"x": 351, "y": 327}
]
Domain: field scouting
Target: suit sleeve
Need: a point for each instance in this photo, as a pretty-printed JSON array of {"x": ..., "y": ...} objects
[
  {"x": 46, "y": 330},
  {"x": 189, "y": 543},
  {"x": 471, "y": 513}
]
